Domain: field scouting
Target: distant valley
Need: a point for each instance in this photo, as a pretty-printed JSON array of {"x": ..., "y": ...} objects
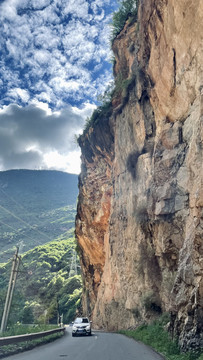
[
  {"x": 37, "y": 213},
  {"x": 36, "y": 207}
]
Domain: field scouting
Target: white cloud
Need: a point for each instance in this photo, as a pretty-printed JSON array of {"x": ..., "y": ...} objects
[
  {"x": 8, "y": 9},
  {"x": 43, "y": 96},
  {"x": 77, "y": 9},
  {"x": 10, "y": 48},
  {"x": 40, "y": 4},
  {"x": 69, "y": 163},
  {"x": 86, "y": 111},
  {"x": 74, "y": 162},
  {"x": 43, "y": 37},
  {"x": 42, "y": 56},
  {"x": 37, "y": 137},
  {"x": 43, "y": 106},
  {"x": 17, "y": 93},
  {"x": 53, "y": 66},
  {"x": 43, "y": 40},
  {"x": 61, "y": 85}
]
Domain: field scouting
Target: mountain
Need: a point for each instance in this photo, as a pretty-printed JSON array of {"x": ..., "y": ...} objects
[
  {"x": 139, "y": 220},
  {"x": 35, "y": 208}
]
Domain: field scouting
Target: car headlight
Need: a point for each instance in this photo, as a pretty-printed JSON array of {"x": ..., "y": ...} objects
[
  {"x": 74, "y": 327},
  {"x": 88, "y": 327}
]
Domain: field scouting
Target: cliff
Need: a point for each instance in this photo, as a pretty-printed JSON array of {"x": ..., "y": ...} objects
[{"x": 139, "y": 221}]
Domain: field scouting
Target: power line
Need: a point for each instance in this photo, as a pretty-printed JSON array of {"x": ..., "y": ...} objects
[
  {"x": 12, "y": 199},
  {"x": 33, "y": 216},
  {"x": 24, "y": 222},
  {"x": 18, "y": 204},
  {"x": 7, "y": 225},
  {"x": 28, "y": 237}
]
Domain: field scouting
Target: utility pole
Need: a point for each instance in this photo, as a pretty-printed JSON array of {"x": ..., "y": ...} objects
[{"x": 11, "y": 286}]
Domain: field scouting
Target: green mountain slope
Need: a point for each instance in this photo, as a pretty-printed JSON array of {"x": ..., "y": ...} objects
[
  {"x": 48, "y": 284},
  {"x": 35, "y": 208}
]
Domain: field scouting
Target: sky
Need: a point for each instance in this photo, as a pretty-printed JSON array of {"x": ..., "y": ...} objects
[{"x": 54, "y": 62}]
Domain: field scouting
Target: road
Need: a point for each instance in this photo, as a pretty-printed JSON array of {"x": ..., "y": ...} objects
[{"x": 99, "y": 346}]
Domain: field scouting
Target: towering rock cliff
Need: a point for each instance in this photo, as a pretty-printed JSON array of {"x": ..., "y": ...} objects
[{"x": 139, "y": 222}]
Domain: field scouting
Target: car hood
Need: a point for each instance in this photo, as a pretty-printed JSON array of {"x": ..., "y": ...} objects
[{"x": 82, "y": 325}]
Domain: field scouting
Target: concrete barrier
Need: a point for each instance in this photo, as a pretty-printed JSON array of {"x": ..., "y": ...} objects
[{"x": 28, "y": 337}]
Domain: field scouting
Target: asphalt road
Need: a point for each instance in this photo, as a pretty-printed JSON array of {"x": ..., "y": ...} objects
[{"x": 99, "y": 346}]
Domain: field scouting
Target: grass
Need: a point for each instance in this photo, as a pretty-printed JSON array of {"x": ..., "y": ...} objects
[
  {"x": 25, "y": 329},
  {"x": 155, "y": 336},
  {"x": 7, "y": 350}
]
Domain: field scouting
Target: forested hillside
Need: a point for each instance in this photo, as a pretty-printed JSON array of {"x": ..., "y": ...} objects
[
  {"x": 48, "y": 284},
  {"x": 37, "y": 213},
  {"x": 35, "y": 208}
]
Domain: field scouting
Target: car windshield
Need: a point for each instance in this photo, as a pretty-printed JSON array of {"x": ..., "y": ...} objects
[{"x": 81, "y": 320}]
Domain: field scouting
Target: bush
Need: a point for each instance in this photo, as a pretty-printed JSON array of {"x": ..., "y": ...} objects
[
  {"x": 128, "y": 9},
  {"x": 103, "y": 111},
  {"x": 156, "y": 336},
  {"x": 122, "y": 85}
]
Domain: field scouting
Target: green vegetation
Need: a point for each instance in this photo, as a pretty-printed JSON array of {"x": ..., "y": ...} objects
[
  {"x": 156, "y": 336},
  {"x": 20, "y": 329},
  {"x": 35, "y": 207},
  {"x": 122, "y": 86},
  {"x": 102, "y": 111},
  {"x": 126, "y": 11},
  {"x": 7, "y": 350},
  {"x": 119, "y": 88},
  {"x": 48, "y": 284},
  {"x": 37, "y": 213}
]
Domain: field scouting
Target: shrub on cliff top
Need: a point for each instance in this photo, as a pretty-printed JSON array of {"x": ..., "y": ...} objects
[
  {"x": 102, "y": 111},
  {"x": 121, "y": 88},
  {"x": 128, "y": 9}
]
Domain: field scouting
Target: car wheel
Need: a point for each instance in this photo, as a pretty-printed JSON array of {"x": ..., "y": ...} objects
[{"x": 73, "y": 335}]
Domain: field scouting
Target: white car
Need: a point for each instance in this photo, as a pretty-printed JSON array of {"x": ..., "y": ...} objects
[{"x": 81, "y": 326}]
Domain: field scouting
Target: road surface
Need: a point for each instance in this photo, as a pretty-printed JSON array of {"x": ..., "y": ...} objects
[{"x": 99, "y": 346}]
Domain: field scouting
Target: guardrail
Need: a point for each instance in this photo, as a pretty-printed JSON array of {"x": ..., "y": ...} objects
[{"x": 28, "y": 337}]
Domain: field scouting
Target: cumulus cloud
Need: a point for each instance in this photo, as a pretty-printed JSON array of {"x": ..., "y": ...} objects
[
  {"x": 54, "y": 63},
  {"x": 44, "y": 40},
  {"x": 36, "y": 137},
  {"x": 17, "y": 93},
  {"x": 77, "y": 9}
]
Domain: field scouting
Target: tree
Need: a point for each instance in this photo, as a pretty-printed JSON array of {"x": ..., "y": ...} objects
[{"x": 27, "y": 315}]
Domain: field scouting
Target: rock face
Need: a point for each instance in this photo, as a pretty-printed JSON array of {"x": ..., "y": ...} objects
[{"x": 139, "y": 222}]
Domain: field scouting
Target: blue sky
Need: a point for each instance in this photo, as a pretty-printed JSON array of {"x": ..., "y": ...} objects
[{"x": 54, "y": 62}]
